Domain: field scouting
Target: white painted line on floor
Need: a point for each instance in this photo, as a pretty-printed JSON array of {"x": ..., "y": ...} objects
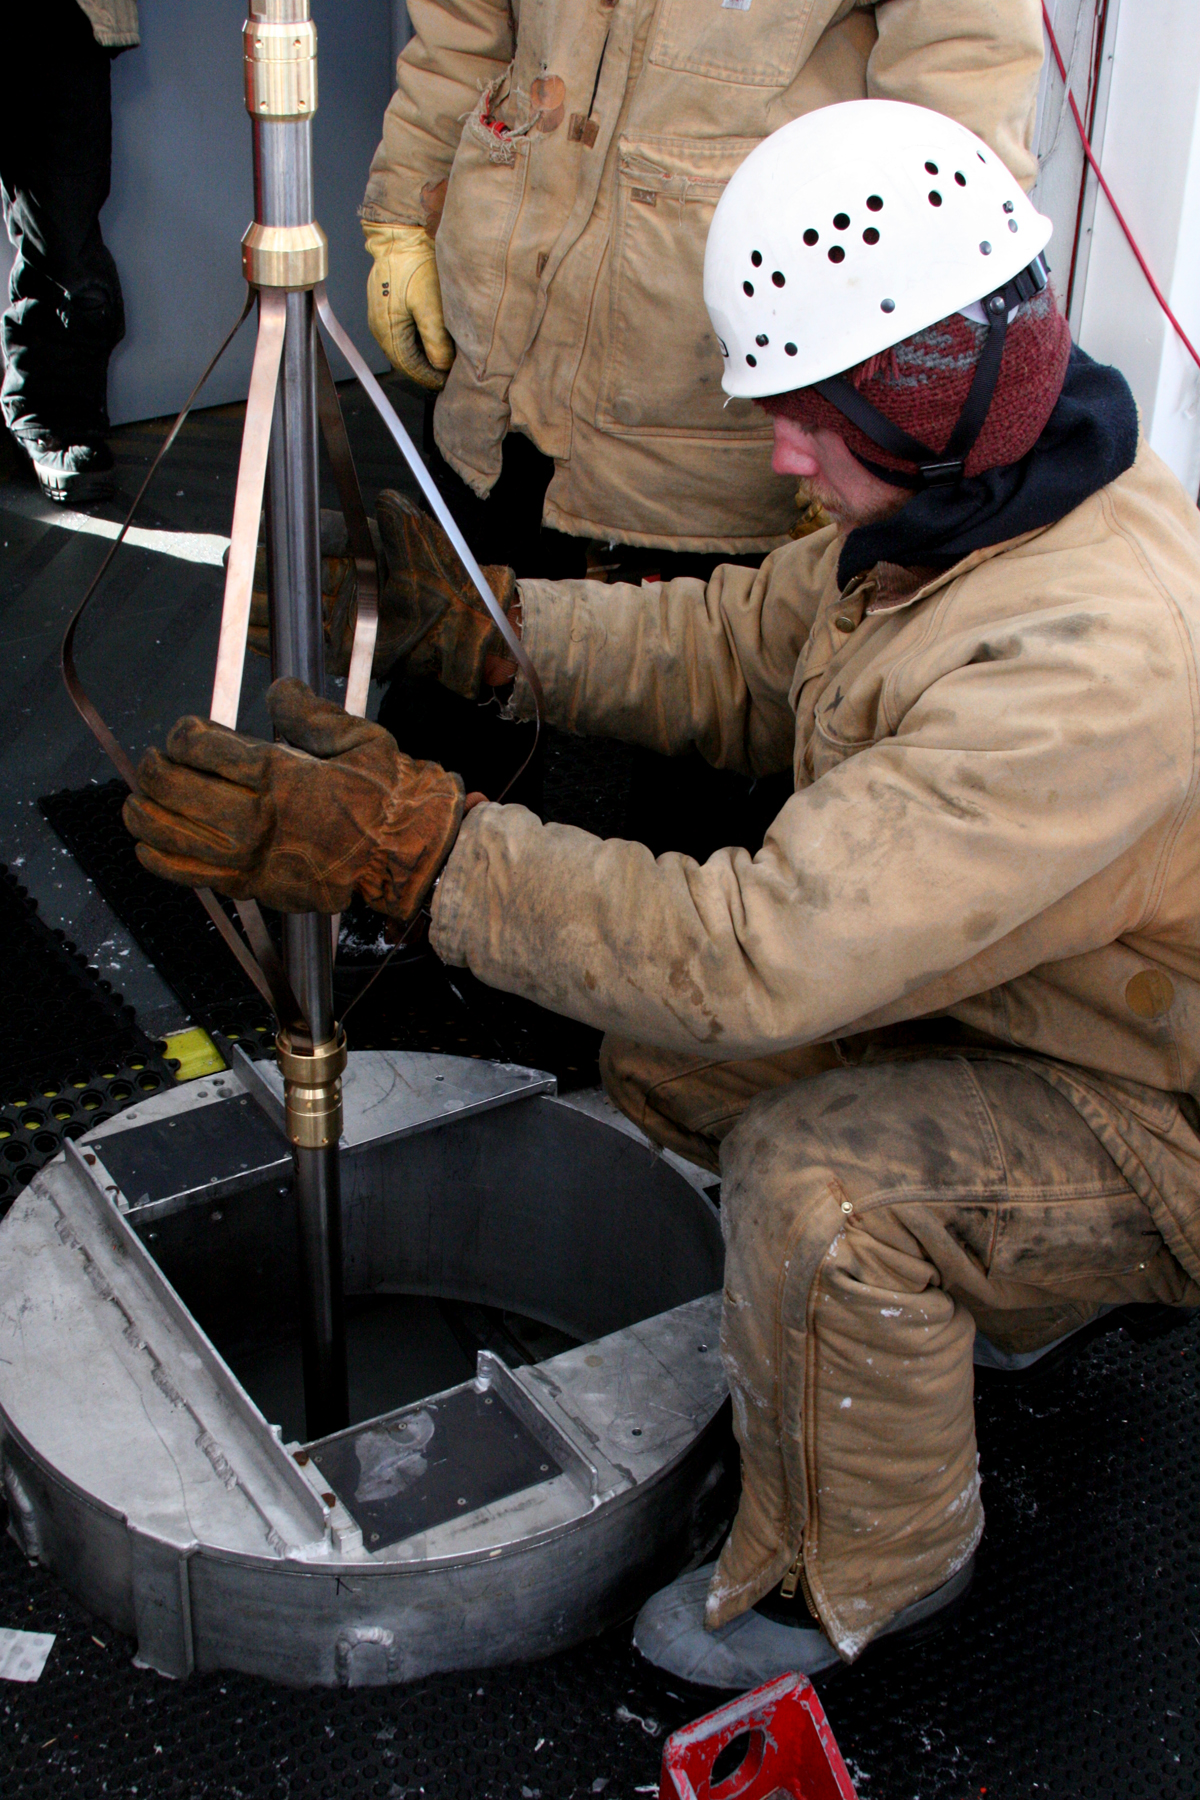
[
  {"x": 188, "y": 546},
  {"x": 23, "y": 1654}
]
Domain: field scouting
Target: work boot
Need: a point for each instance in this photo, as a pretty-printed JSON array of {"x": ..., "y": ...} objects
[
  {"x": 776, "y": 1637},
  {"x": 69, "y": 473}
]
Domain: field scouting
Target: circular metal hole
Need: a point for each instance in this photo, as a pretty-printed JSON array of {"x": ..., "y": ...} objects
[
  {"x": 789, "y": 349},
  {"x": 753, "y": 361},
  {"x": 960, "y": 178},
  {"x": 748, "y": 287},
  {"x": 812, "y": 237},
  {"x": 837, "y": 254},
  {"x": 932, "y": 167},
  {"x": 870, "y": 235},
  {"x": 1012, "y": 225},
  {"x": 985, "y": 249},
  {"x": 887, "y": 306},
  {"x": 935, "y": 199},
  {"x": 778, "y": 278},
  {"x": 756, "y": 258},
  {"x": 841, "y": 221},
  {"x": 874, "y": 203}
]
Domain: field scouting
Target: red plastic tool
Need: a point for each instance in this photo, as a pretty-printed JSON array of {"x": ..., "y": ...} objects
[{"x": 789, "y": 1751}]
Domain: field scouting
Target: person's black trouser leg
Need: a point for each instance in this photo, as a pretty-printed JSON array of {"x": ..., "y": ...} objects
[{"x": 65, "y": 313}]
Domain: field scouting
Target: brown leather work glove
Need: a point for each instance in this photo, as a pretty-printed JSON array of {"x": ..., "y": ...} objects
[
  {"x": 429, "y": 612},
  {"x": 300, "y": 829},
  {"x": 339, "y": 595}
]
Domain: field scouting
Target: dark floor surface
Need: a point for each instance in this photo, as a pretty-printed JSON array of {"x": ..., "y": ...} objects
[{"x": 1071, "y": 1675}]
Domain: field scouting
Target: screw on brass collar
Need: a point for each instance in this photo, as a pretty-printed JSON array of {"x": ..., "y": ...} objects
[
  {"x": 312, "y": 1090},
  {"x": 293, "y": 257},
  {"x": 281, "y": 68},
  {"x": 313, "y": 1066}
]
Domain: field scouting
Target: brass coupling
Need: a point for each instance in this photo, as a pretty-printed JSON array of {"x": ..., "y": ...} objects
[
  {"x": 312, "y": 1090},
  {"x": 285, "y": 256},
  {"x": 281, "y": 64}
]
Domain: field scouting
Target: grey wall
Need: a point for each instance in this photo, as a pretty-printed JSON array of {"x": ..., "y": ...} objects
[{"x": 182, "y": 190}]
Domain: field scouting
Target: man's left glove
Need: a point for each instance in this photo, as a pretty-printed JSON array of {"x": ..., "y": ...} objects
[{"x": 298, "y": 828}]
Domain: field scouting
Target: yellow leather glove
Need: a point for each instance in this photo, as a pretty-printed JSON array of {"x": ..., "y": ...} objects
[{"x": 404, "y": 303}]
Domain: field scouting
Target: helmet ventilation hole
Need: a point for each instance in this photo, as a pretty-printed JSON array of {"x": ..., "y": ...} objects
[
  {"x": 985, "y": 249},
  {"x": 812, "y": 237},
  {"x": 960, "y": 178},
  {"x": 762, "y": 340},
  {"x": 932, "y": 168},
  {"x": 935, "y": 199},
  {"x": 789, "y": 349},
  {"x": 1012, "y": 225},
  {"x": 837, "y": 254},
  {"x": 887, "y": 306},
  {"x": 874, "y": 203},
  {"x": 870, "y": 235},
  {"x": 1008, "y": 206},
  {"x": 841, "y": 221},
  {"x": 753, "y": 361},
  {"x": 748, "y": 287},
  {"x": 778, "y": 278},
  {"x": 756, "y": 258}
]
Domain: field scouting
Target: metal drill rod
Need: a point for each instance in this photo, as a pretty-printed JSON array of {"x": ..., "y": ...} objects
[{"x": 283, "y": 195}]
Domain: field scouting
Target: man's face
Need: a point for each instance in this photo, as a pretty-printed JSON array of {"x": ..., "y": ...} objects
[{"x": 850, "y": 494}]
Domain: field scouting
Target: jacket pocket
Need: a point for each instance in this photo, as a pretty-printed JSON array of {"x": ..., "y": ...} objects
[
  {"x": 662, "y": 365},
  {"x": 483, "y": 201},
  {"x": 757, "y": 43}
]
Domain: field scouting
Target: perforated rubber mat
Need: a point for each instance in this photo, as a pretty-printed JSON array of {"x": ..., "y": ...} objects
[
  {"x": 1071, "y": 1674},
  {"x": 71, "y": 1052}
]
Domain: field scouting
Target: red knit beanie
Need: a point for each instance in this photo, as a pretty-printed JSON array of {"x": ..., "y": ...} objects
[{"x": 921, "y": 384}]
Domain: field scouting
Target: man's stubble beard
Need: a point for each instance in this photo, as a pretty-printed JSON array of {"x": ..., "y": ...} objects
[{"x": 847, "y": 519}]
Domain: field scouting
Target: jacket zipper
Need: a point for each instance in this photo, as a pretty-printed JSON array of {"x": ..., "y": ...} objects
[{"x": 794, "y": 1578}]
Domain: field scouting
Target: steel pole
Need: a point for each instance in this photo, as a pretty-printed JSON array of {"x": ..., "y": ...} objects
[{"x": 281, "y": 98}]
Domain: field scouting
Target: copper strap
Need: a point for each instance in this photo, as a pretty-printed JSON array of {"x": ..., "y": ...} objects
[
  {"x": 270, "y": 981},
  {"x": 441, "y": 511},
  {"x": 247, "y": 508},
  {"x": 358, "y": 531}
]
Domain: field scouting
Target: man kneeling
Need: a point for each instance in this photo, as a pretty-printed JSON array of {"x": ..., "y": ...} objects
[{"x": 940, "y": 1035}]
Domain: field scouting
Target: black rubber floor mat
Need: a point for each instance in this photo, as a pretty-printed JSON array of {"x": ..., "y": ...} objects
[
  {"x": 1071, "y": 1673},
  {"x": 71, "y": 1052},
  {"x": 416, "y": 1003}
]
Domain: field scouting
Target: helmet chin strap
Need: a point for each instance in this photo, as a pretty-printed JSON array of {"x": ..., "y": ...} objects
[{"x": 945, "y": 467}]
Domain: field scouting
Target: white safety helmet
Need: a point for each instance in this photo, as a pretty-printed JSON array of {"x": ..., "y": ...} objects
[{"x": 850, "y": 229}]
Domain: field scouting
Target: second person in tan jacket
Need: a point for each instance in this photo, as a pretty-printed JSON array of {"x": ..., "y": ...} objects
[{"x": 562, "y": 162}]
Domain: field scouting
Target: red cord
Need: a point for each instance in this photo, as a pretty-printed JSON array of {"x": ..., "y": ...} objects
[{"x": 1184, "y": 339}]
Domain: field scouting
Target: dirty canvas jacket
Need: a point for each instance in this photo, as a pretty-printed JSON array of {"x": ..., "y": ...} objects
[
  {"x": 598, "y": 137},
  {"x": 114, "y": 22},
  {"x": 995, "y": 816}
]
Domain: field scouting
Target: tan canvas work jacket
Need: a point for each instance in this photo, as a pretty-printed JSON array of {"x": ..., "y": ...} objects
[
  {"x": 995, "y": 816},
  {"x": 114, "y": 22},
  {"x": 586, "y": 144}
]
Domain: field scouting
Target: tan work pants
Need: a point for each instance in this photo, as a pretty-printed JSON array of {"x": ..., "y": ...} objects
[{"x": 874, "y": 1215}]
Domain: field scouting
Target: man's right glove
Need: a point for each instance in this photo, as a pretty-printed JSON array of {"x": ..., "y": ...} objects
[
  {"x": 404, "y": 302},
  {"x": 429, "y": 612}
]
